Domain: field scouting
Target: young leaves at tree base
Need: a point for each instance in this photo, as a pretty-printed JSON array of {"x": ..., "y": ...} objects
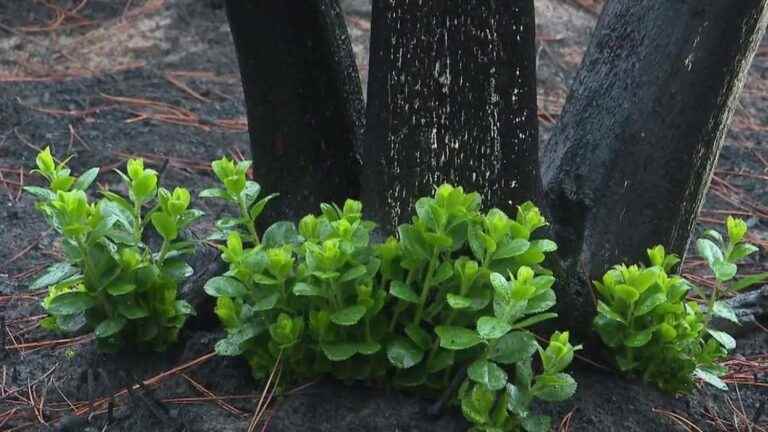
[
  {"x": 645, "y": 318},
  {"x": 455, "y": 289},
  {"x": 113, "y": 283}
]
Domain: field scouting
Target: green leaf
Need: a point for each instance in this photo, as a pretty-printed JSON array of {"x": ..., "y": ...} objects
[
  {"x": 280, "y": 233},
  {"x": 144, "y": 186},
  {"x": 109, "y": 327},
  {"x": 266, "y": 303},
  {"x": 442, "y": 360},
  {"x": 443, "y": 273},
  {"x": 177, "y": 269},
  {"x": 418, "y": 335},
  {"x": 101, "y": 229},
  {"x": 348, "y": 316},
  {"x": 645, "y": 279},
  {"x": 68, "y": 323},
  {"x": 165, "y": 224},
  {"x": 117, "y": 210},
  {"x": 639, "y": 338},
  {"x": 214, "y": 193},
  {"x": 232, "y": 344},
  {"x": 411, "y": 241},
  {"x": 554, "y": 388},
  {"x": 86, "y": 179},
  {"x": 610, "y": 330},
  {"x": 511, "y": 249},
  {"x": 517, "y": 400},
  {"x": 52, "y": 275},
  {"x": 437, "y": 240},
  {"x": 132, "y": 310},
  {"x": 541, "y": 302},
  {"x": 368, "y": 348},
  {"x": 748, "y": 281},
  {"x": 492, "y": 327},
  {"x": 537, "y": 423},
  {"x": 724, "y": 270},
  {"x": 338, "y": 351},
  {"x": 40, "y": 193},
  {"x": 714, "y": 235},
  {"x": 476, "y": 404},
  {"x": 488, "y": 374},
  {"x": 121, "y": 287},
  {"x": 740, "y": 251},
  {"x": 263, "y": 279},
  {"x": 514, "y": 347},
  {"x": 182, "y": 307},
  {"x": 626, "y": 292},
  {"x": 722, "y": 310},
  {"x": 604, "y": 309},
  {"x": 534, "y": 320},
  {"x": 499, "y": 282},
  {"x": 224, "y": 286},
  {"x": 544, "y": 245},
  {"x": 305, "y": 289},
  {"x": 474, "y": 238},
  {"x": 650, "y": 302},
  {"x": 457, "y": 338},
  {"x": 70, "y": 303},
  {"x": 251, "y": 192},
  {"x": 458, "y": 302},
  {"x": 726, "y": 340},
  {"x": 258, "y": 207},
  {"x": 710, "y": 378},
  {"x": 354, "y": 273},
  {"x": 228, "y": 347},
  {"x": 403, "y": 353},
  {"x": 709, "y": 251},
  {"x": 403, "y": 292}
]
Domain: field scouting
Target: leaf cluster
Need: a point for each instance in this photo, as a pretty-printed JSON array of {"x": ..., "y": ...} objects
[
  {"x": 456, "y": 289},
  {"x": 113, "y": 282},
  {"x": 646, "y": 319}
]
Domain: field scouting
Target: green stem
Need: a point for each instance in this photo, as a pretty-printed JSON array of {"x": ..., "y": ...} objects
[
  {"x": 248, "y": 222},
  {"x": 463, "y": 292},
  {"x": 137, "y": 222},
  {"x": 711, "y": 303},
  {"x": 88, "y": 275},
  {"x": 427, "y": 286},
  {"x": 163, "y": 253},
  {"x": 282, "y": 290},
  {"x": 399, "y": 306}
]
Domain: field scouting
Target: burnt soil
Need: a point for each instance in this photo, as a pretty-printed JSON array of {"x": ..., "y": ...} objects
[{"x": 115, "y": 79}]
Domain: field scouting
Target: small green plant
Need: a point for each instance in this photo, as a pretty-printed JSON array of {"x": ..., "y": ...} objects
[
  {"x": 645, "y": 318},
  {"x": 113, "y": 282},
  {"x": 722, "y": 256},
  {"x": 306, "y": 293},
  {"x": 242, "y": 193},
  {"x": 493, "y": 401},
  {"x": 457, "y": 289}
]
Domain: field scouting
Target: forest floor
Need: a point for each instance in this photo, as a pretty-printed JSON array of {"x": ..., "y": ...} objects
[{"x": 106, "y": 80}]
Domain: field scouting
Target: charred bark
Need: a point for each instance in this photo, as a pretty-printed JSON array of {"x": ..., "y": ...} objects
[
  {"x": 630, "y": 162},
  {"x": 451, "y": 98},
  {"x": 303, "y": 98}
]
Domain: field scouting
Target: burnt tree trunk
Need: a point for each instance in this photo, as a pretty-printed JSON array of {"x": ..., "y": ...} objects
[
  {"x": 451, "y": 98},
  {"x": 303, "y": 98},
  {"x": 639, "y": 136}
]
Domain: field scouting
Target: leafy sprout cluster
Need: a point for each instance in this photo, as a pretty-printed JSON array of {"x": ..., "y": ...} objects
[
  {"x": 453, "y": 294},
  {"x": 455, "y": 291},
  {"x": 113, "y": 282},
  {"x": 646, "y": 319}
]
